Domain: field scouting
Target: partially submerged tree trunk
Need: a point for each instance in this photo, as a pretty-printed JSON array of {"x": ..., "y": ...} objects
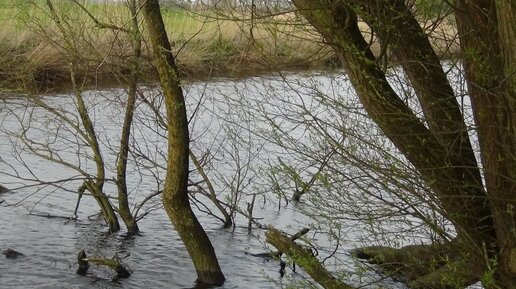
[
  {"x": 175, "y": 192},
  {"x": 423, "y": 266},
  {"x": 123, "y": 203},
  {"x": 113, "y": 263},
  {"x": 304, "y": 258},
  {"x": 95, "y": 186}
]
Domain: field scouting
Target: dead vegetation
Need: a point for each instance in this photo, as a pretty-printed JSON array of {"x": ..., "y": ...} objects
[{"x": 206, "y": 43}]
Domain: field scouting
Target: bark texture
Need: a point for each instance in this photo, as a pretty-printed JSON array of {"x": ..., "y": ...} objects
[
  {"x": 486, "y": 31},
  {"x": 175, "y": 192}
]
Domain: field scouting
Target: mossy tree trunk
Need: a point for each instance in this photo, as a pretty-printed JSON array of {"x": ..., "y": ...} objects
[
  {"x": 439, "y": 147},
  {"x": 95, "y": 186},
  {"x": 487, "y": 35},
  {"x": 305, "y": 258},
  {"x": 175, "y": 192}
]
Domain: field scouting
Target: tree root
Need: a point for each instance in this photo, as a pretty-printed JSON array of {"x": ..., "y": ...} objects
[
  {"x": 455, "y": 274},
  {"x": 424, "y": 266}
]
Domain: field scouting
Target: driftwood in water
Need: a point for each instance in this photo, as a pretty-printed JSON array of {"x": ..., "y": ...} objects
[
  {"x": 113, "y": 263},
  {"x": 12, "y": 254},
  {"x": 305, "y": 258},
  {"x": 3, "y": 189},
  {"x": 266, "y": 255},
  {"x": 50, "y": 216}
]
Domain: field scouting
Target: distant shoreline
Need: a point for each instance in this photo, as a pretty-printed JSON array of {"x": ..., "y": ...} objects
[{"x": 35, "y": 56}]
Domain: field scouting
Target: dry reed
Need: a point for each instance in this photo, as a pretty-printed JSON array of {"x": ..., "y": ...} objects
[{"x": 207, "y": 43}]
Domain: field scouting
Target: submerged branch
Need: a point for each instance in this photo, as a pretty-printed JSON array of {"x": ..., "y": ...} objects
[
  {"x": 113, "y": 263},
  {"x": 304, "y": 258},
  {"x": 211, "y": 191}
]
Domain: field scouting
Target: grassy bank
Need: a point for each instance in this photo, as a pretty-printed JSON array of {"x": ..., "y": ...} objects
[{"x": 34, "y": 51}]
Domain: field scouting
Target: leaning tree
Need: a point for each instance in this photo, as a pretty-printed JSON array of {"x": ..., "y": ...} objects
[{"x": 476, "y": 195}]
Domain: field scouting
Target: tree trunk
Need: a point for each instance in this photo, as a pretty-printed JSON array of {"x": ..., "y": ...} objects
[
  {"x": 441, "y": 150},
  {"x": 457, "y": 189},
  {"x": 486, "y": 31},
  {"x": 105, "y": 206},
  {"x": 175, "y": 192},
  {"x": 423, "y": 266},
  {"x": 95, "y": 186},
  {"x": 123, "y": 203}
]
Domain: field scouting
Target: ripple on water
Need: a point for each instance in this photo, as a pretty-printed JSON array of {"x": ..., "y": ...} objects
[{"x": 157, "y": 256}]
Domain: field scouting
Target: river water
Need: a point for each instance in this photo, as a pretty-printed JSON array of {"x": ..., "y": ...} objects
[
  {"x": 157, "y": 256},
  {"x": 232, "y": 141}
]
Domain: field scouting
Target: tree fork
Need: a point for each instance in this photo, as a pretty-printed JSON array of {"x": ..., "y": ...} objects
[
  {"x": 337, "y": 21},
  {"x": 106, "y": 208}
]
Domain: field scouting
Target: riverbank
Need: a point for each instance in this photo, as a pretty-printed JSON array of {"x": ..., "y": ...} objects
[{"x": 36, "y": 51}]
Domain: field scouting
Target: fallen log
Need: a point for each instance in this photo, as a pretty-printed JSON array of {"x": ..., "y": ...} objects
[
  {"x": 304, "y": 258},
  {"x": 113, "y": 263}
]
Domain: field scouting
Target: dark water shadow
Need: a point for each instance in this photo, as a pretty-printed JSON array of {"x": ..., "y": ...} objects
[{"x": 201, "y": 285}]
